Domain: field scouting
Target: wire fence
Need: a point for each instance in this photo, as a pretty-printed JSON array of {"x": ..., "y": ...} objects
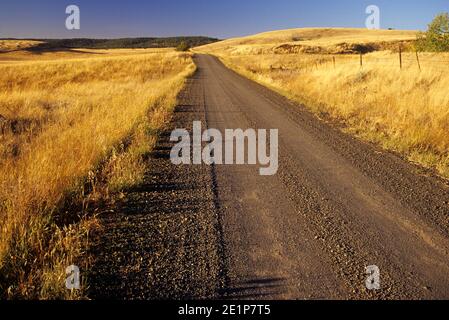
[
  {"x": 399, "y": 61},
  {"x": 297, "y": 62}
]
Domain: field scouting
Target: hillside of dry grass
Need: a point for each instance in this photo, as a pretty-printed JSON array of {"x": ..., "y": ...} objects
[
  {"x": 22, "y": 56},
  {"x": 72, "y": 131},
  {"x": 405, "y": 110},
  {"x": 15, "y": 45},
  {"x": 312, "y": 40}
]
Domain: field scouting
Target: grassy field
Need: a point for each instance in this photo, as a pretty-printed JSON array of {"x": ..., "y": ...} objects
[
  {"x": 73, "y": 129},
  {"x": 405, "y": 110},
  {"x": 309, "y": 40},
  {"x": 22, "y": 56},
  {"x": 14, "y": 45}
]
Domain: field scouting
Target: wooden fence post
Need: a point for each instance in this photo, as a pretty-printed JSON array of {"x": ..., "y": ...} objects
[
  {"x": 417, "y": 59},
  {"x": 361, "y": 59},
  {"x": 400, "y": 56}
]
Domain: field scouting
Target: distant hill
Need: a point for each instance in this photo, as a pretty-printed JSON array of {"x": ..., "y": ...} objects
[
  {"x": 315, "y": 40},
  {"x": 124, "y": 43},
  {"x": 7, "y": 45}
]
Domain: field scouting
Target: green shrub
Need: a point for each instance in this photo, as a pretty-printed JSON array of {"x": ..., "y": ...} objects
[
  {"x": 183, "y": 46},
  {"x": 436, "y": 39}
]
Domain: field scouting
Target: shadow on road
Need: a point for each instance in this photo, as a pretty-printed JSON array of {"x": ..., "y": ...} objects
[{"x": 257, "y": 288}]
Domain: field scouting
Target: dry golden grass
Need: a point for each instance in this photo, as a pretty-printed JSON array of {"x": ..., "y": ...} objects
[
  {"x": 313, "y": 39},
  {"x": 22, "y": 56},
  {"x": 403, "y": 110},
  {"x": 72, "y": 131},
  {"x": 12, "y": 45}
]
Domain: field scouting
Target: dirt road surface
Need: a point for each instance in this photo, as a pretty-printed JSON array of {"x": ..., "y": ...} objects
[{"x": 336, "y": 206}]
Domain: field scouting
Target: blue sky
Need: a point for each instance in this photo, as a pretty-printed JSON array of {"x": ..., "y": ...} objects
[{"x": 217, "y": 18}]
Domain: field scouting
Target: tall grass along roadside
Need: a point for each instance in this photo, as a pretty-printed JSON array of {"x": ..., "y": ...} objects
[{"x": 70, "y": 133}]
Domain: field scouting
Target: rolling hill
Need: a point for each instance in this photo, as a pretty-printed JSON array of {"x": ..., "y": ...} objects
[
  {"x": 7, "y": 45},
  {"x": 313, "y": 40}
]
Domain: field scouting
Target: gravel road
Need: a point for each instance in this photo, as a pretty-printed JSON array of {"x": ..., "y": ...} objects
[{"x": 336, "y": 206}]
